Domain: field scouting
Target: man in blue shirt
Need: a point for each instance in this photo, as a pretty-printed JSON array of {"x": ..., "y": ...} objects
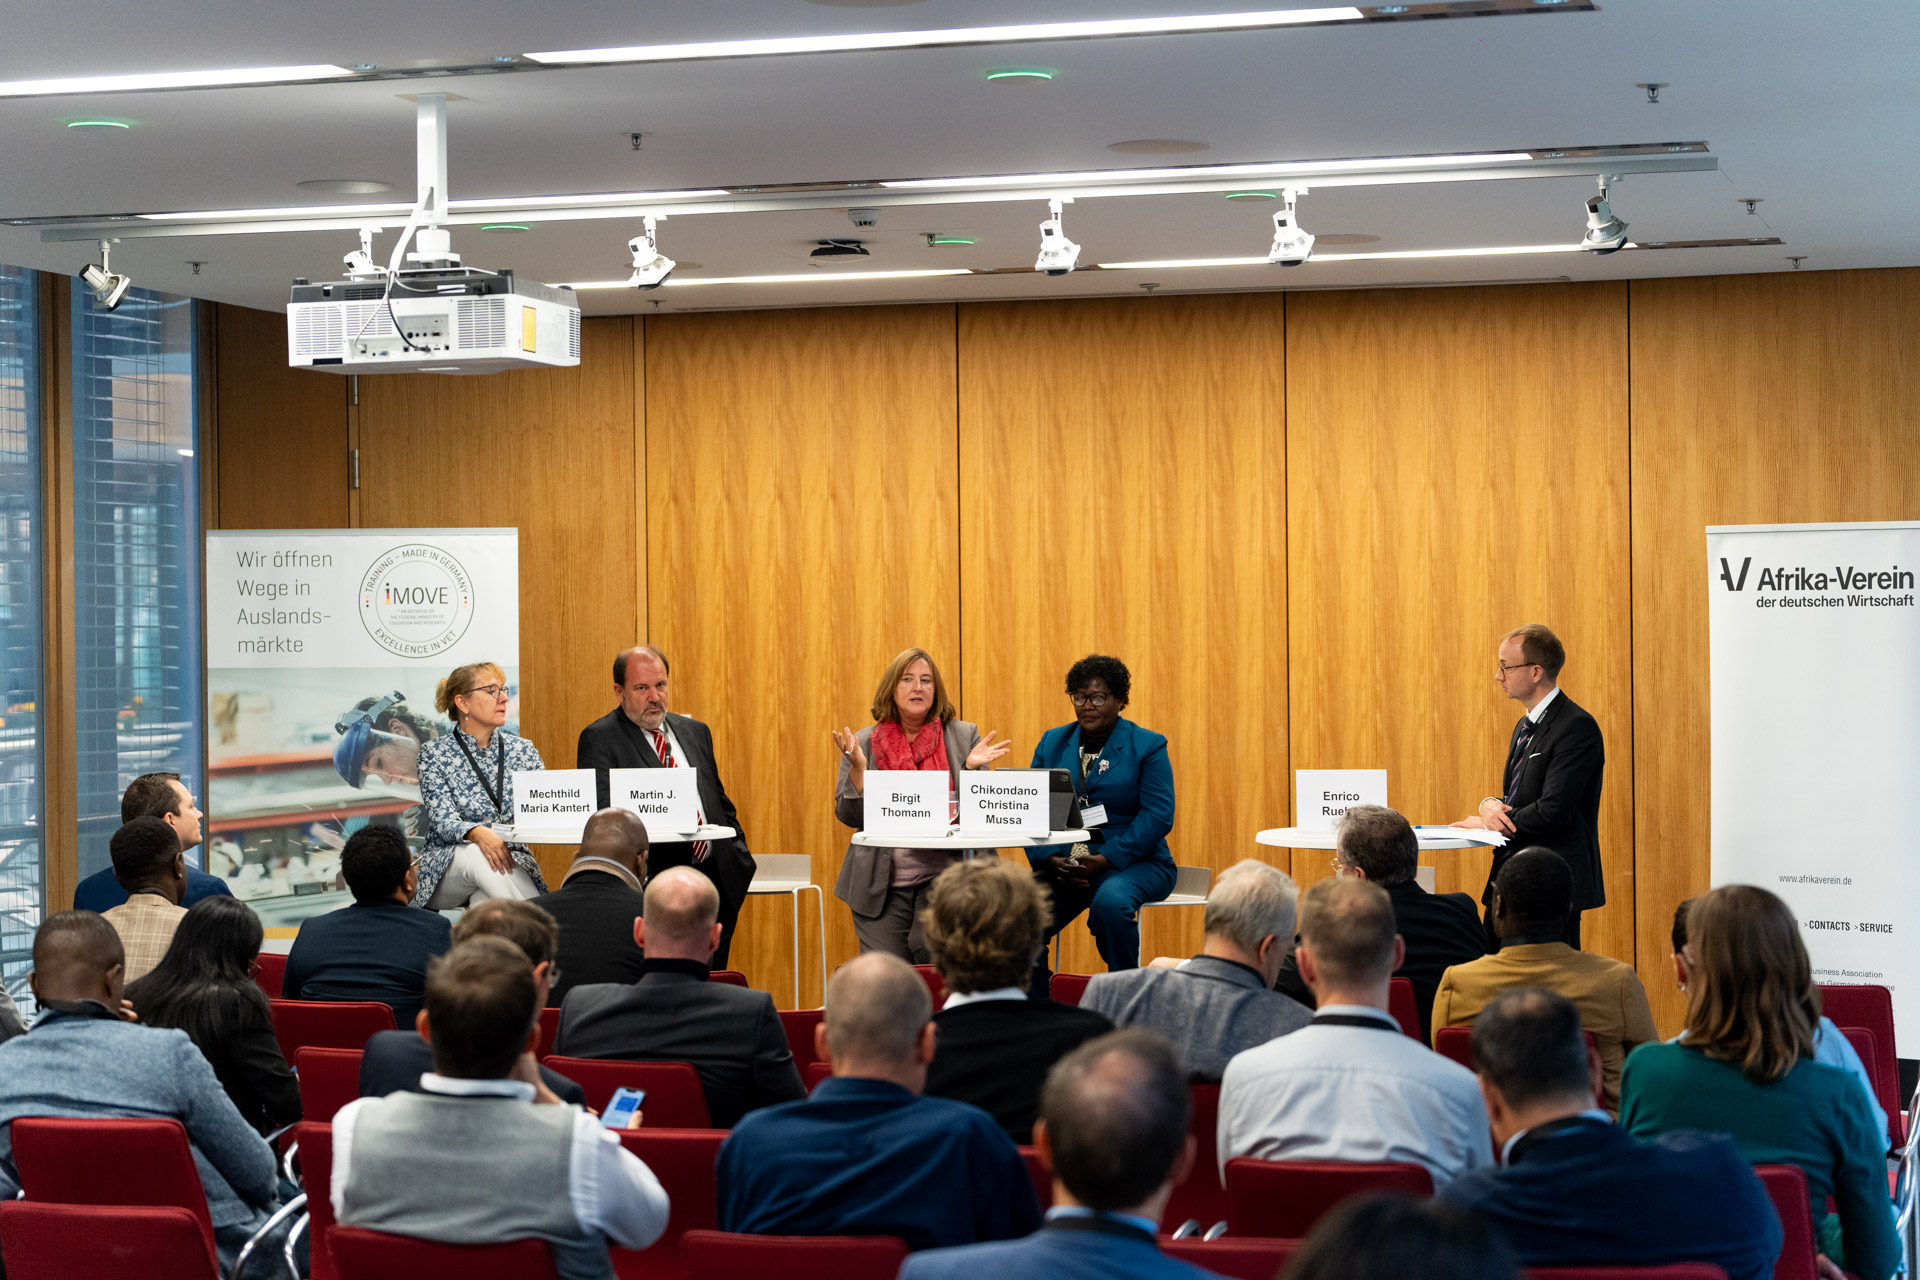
[
  {"x": 1575, "y": 1189},
  {"x": 866, "y": 1155},
  {"x": 378, "y": 948},
  {"x": 162, "y": 796},
  {"x": 1113, "y": 1131}
]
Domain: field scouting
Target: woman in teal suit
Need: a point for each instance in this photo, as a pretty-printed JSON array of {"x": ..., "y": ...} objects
[{"x": 1125, "y": 786}]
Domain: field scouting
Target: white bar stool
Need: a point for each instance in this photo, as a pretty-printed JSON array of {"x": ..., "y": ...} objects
[{"x": 792, "y": 874}]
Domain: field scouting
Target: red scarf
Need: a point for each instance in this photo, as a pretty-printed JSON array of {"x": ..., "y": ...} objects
[{"x": 891, "y": 750}]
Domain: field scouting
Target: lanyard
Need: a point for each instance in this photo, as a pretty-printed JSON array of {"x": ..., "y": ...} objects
[
  {"x": 1354, "y": 1020},
  {"x": 497, "y": 792}
]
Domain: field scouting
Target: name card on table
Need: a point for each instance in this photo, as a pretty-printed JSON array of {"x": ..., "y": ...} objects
[
  {"x": 556, "y": 801},
  {"x": 666, "y": 799},
  {"x": 1323, "y": 796},
  {"x": 1013, "y": 802},
  {"x": 907, "y": 802}
]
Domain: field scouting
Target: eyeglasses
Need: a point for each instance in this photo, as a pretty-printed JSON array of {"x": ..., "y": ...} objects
[
  {"x": 491, "y": 690},
  {"x": 1505, "y": 667},
  {"x": 1094, "y": 700}
]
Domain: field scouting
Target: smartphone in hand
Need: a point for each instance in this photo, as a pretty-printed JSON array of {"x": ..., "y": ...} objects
[{"x": 619, "y": 1112}]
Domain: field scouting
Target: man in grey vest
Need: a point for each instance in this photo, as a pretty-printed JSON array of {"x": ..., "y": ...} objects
[{"x": 486, "y": 1153}]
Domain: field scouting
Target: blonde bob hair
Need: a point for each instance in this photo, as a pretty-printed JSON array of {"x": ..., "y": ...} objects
[
  {"x": 462, "y": 682},
  {"x": 884, "y": 707},
  {"x": 1751, "y": 1000}
]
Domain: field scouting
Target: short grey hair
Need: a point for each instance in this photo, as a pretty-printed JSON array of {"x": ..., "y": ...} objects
[{"x": 1250, "y": 901}]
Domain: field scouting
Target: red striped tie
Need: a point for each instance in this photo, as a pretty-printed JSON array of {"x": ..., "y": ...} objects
[{"x": 664, "y": 749}]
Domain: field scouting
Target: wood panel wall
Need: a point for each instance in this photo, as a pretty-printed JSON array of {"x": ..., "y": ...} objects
[{"x": 1302, "y": 520}]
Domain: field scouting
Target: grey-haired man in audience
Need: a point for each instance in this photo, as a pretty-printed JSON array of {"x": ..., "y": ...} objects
[{"x": 1217, "y": 1003}]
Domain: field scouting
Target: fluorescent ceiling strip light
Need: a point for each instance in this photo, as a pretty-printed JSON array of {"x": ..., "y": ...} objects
[
  {"x": 501, "y": 202},
  {"x": 1204, "y": 171},
  {"x": 169, "y": 80},
  {"x": 1015, "y": 34},
  {"x": 1169, "y": 264},
  {"x": 806, "y": 278}
]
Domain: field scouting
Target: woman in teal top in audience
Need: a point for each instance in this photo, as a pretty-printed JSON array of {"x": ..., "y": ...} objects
[{"x": 1745, "y": 1068}]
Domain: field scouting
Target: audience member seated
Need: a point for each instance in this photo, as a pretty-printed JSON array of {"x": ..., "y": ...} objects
[
  {"x": 985, "y": 925},
  {"x": 11, "y": 1023},
  {"x": 1393, "y": 1237},
  {"x": 1351, "y": 1085},
  {"x": 86, "y": 1057},
  {"x": 378, "y": 947},
  {"x": 1531, "y": 898},
  {"x": 1113, "y": 1131},
  {"x": 1830, "y": 1044},
  {"x": 149, "y": 865},
  {"x": 731, "y": 1035},
  {"x": 597, "y": 904},
  {"x": 162, "y": 796},
  {"x": 204, "y": 987},
  {"x": 1576, "y": 1190},
  {"x": 1218, "y": 1003},
  {"x": 866, "y": 1155},
  {"x": 1745, "y": 1068},
  {"x": 1440, "y": 929},
  {"x": 485, "y": 1153},
  {"x": 396, "y": 1060}
]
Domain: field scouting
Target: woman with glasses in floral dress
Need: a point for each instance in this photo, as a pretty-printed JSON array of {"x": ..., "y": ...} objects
[{"x": 466, "y": 784}]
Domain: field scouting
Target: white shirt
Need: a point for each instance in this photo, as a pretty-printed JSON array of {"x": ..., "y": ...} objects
[
  {"x": 955, "y": 1000},
  {"x": 1330, "y": 1092},
  {"x": 1540, "y": 707},
  {"x": 610, "y": 1190}
]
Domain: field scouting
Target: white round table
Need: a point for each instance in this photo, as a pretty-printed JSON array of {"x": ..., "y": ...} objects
[
  {"x": 1430, "y": 838},
  {"x": 529, "y": 834},
  {"x": 954, "y": 840}
]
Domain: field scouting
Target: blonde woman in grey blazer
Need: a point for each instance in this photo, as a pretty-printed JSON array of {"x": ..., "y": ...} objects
[{"x": 916, "y": 726}]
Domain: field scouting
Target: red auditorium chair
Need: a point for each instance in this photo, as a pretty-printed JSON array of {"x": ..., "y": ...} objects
[
  {"x": 1455, "y": 1043},
  {"x": 268, "y": 968},
  {"x": 1236, "y": 1257},
  {"x": 722, "y": 1255},
  {"x": 674, "y": 1098},
  {"x": 549, "y": 1031},
  {"x": 1886, "y": 1091},
  {"x": 327, "y": 1024},
  {"x": 1201, "y": 1198},
  {"x": 732, "y": 977},
  {"x": 799, "y": 1025},
  {"x": 1283, "y": 1198},
  {"x": 1786, "y": 1186},
  {"x": 936, "y": 985},
  {"x": 1401, "y": 1004},
  {"x": 132, "y": 1163},
  {"x": 102, "y": 1242},
  {"x": 815, "y": 1073},
  {"x": 683, "y": 1160},
  {"x": 360, "y": 1254},
  {"x": 1871, "y": 1007},
  {"x": 1042, "y": 1178},
  {"x": 329, "y": 1080},
  {"x": 1671, "y": 1271},
  {"x": 315, "y": 1141},
  {"x": 1069, "y": 987}
]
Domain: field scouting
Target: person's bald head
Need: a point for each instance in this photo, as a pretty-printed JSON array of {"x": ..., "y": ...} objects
[
  {"x": 619, "y": 836},
  {"x": 77, "y": 955},
  {"x": 878, "y": 1014},
  {"x": 680, "y": 919}
]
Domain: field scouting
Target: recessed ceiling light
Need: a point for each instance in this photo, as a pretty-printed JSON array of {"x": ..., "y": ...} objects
[
  {"x": 1159, "y": 146},
  {"x": 935, "y": 241},
  {"x": 1017, "y": 74},
  {"x": 168, "y": 80},
  {"x": 346, "y": 186},
  {"x": 506, "y": 226},
  {"x": 1253, "y": 195},
  {"x": 98, "y": 124}
]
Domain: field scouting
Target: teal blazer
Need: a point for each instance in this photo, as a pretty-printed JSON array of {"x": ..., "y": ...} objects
[{"x": 1136, "y": 786}]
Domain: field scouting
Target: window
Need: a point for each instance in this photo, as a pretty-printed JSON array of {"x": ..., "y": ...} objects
[
  {"x": 136, "y": 562},
  {"x": 22, "y": 888}
]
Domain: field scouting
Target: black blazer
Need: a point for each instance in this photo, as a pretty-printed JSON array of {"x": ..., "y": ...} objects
[
  {"x": 1440, "y": 930},
  {"x": 394, "y": 1061},
  {"x": 1557, "y": 800},
  {"x": 368, "y": 951},
  {"x": 730, "y": 1035},
  {"x": 996, "y": 1055},
  {"x": 615, "y": 742},
  {"x": 595, "y": 911}
]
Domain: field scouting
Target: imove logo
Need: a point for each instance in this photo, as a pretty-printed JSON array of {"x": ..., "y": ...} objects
[
  {"x": 1726, "y": 574},
  {"x": 416, "y": 601}
]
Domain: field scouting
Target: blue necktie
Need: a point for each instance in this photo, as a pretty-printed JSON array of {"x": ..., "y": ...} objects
[{"x": 1519, "y": 759}]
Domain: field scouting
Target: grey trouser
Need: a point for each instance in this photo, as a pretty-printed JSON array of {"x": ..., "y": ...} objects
[{"x": 896, "y": 930}]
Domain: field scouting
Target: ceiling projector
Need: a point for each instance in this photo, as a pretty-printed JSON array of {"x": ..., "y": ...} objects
[{"x": 432, "y": 320}]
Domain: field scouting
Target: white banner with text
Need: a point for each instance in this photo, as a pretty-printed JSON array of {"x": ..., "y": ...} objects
[{"x": 1815, "y": 644}]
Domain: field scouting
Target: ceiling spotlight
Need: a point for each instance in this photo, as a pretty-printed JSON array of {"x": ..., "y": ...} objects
[
  {"x": 1605, "y": 233},
  {"x": 650, "y": 267},
  {"x": 360, "y": 263},
  {"x": 1057, "y": 253},
  {"x": 839, "y": 249},
  {"x": 109, "y": 290},
  {"x": 1291, "y": 245}
]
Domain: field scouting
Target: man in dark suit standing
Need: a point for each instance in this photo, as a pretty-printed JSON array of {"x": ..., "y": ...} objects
[
  {"x": 598, "y": 903},
  {"x": 1551, "y": 785},
  {"x": 641, "y": 733},
  {"x": 730, "y": 1035}
]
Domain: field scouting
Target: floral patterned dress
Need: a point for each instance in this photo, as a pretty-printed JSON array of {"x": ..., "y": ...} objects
[{"x": 457, "y": 800}]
